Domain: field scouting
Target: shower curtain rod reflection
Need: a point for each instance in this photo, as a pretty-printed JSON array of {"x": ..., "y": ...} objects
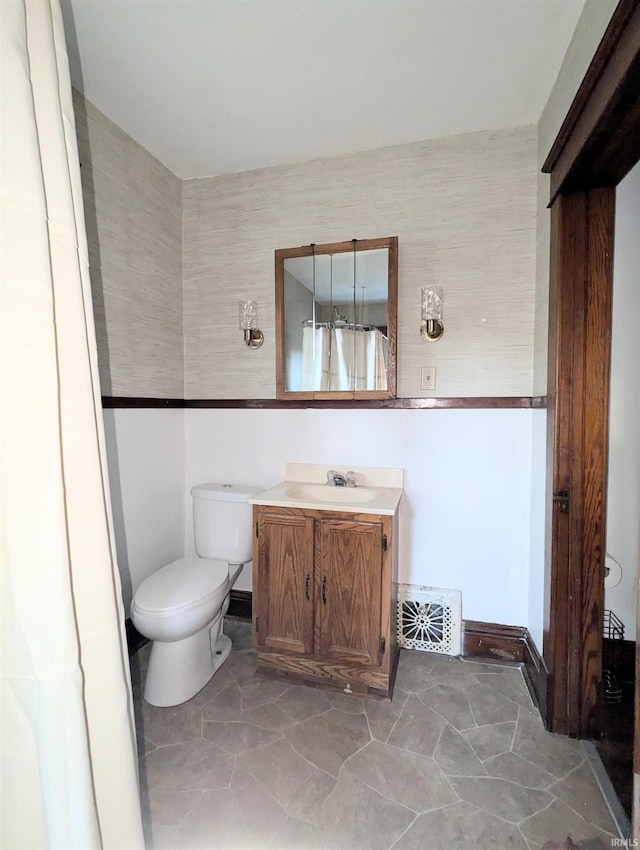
[{"x": 349, "y": 326}]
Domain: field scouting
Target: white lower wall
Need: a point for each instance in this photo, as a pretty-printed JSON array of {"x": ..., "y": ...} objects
[
  {"x": 468, "y": 520},
  {"x": 145, "y": 454},
  {"x": 465, "y": 515},
  {"x": 535, "y": 620}
]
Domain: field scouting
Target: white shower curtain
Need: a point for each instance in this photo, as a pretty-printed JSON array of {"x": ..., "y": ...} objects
[
  {"x": 316, "y": 348},
  {"x": 343, "y": 359},
  {"x": 69, "y": 776},
  {"x": 357, "y": 360}
]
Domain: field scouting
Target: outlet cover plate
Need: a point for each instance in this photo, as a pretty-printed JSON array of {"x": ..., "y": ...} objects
[{"x": 428, "y": 378}]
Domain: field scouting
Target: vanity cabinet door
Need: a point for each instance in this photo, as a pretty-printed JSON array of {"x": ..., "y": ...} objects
[
  {"x": 349, "y": 562},
  {"x": 283, "y": 620}
]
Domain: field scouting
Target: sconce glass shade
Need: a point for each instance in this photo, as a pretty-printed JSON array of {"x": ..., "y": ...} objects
[
  {"x": 431, "y": 327},
  {"x": 248, "y": 321},
  {"x": 248, "y": 315}
]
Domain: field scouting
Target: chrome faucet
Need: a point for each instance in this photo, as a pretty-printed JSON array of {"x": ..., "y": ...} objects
[{"x": 337, "y": 479}]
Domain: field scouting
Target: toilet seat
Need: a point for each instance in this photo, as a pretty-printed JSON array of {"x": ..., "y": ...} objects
[{"x": 184, "y": 584}]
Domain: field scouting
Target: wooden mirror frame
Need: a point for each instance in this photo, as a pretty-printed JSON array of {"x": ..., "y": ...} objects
[{"x": 391, "y": 243}]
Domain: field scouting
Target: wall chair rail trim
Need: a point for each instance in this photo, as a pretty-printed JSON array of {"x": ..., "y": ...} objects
[{"x": 471, "y": 402}]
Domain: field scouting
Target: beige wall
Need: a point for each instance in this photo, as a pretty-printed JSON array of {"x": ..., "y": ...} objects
[
  {"x": 134, "y": 230},
  {"x": 167, "y": 271},
  {"x": 464, "y": 209}
]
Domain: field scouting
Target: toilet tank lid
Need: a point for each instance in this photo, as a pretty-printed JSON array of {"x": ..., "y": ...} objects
[{"x": 225, "y": 492}]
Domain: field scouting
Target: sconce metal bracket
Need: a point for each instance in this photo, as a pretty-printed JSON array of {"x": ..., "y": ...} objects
[
  {"x": 431, "y": 330},
  {"x": 253, "y": 338}
]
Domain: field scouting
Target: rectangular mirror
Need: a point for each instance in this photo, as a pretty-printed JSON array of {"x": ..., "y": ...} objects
[{"x": 336, "y": 316}]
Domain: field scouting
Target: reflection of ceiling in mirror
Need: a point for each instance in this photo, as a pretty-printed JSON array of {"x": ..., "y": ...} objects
[{"x": 371, "y": 272}]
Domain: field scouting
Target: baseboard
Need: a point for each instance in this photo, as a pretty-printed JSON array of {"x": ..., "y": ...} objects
[
  {"x": 240, "y": 604},
  {"x": 493, "y": 640},
  {"x": 508, "y": 643},
  {"x": 535, "y": 674}
]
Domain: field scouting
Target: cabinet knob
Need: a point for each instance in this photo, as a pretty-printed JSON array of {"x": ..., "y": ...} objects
[
  {"x": 306, "y": 585},
  {"x": 324, "y": 589}
]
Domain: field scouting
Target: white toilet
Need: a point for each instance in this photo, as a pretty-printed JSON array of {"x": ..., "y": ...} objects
[{"x": 181, "y": 606}]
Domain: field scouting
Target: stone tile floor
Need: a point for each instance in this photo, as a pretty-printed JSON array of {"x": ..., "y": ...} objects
[{"x": 459, "y": 759}]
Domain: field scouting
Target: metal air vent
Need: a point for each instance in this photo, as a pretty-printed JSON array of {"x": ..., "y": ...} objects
[{"x": 429, "y": 619}]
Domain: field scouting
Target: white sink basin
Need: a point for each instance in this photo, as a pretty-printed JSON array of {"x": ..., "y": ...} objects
[
  {"x": 378, "y": 491},
  {"x": 325, "y": 493}
]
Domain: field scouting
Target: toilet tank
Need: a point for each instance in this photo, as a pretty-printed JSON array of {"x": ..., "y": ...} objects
[{"x": 222, "y": 521}]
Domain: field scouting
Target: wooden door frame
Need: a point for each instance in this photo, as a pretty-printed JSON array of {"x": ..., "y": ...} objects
[
  {"x": 577, "y": 423},
  {"x": 598, "y": 144}
]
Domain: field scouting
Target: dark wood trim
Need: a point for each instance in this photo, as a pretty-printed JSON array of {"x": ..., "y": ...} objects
[
  {"x": 493, "y": 640},
  {"x": 536, "y": 675},
  {"x": 559, "y": 540},
  {"x": 134, "y": 401},
  {"x": 470, "y": 403},
  {"x": 594, "y": 417},
  {"x": 240, "y": 602},
  {"x": 496, "y": 642},
  {"x": 370, "y": 404},
  {"x": 344, "y": 247},
  {"x": 579, "y": 354},
  {"x": 392, "y": 321},
  {"x": 598, "y": 142},
  {"x": 582, "y": 100}
]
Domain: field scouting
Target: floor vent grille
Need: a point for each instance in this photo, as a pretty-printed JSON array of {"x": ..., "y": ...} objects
[{"x": 430, "y": 619}]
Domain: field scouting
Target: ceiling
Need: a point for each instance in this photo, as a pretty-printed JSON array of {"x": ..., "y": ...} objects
[
  {"x": 341, "y": 278},
  {"x": 217, "y": 86}
]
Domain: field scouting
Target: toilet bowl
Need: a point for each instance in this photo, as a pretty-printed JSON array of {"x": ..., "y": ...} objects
[{"x": 181, "y": 606}]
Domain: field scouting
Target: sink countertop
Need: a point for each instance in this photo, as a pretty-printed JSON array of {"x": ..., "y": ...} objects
[{"x": 378, "y": 490}]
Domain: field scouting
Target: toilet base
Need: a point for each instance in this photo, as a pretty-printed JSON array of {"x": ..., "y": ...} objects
[{"x": 179, "y": 669}]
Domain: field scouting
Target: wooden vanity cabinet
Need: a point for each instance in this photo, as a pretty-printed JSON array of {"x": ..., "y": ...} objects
[{"x": 324, "y": 598}]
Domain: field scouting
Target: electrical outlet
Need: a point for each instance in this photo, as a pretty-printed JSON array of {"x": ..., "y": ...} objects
[{"x": 428, "y": 377}]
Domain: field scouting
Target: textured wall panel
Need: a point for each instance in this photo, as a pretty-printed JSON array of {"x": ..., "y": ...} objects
[
  {"x": 543, "y": 244},
  {"x": 134, "y": 230},
  {"x": 464, "y": 209}
]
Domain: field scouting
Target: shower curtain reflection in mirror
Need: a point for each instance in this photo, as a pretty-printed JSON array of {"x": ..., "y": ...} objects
[{"x": 343, "y": 359}]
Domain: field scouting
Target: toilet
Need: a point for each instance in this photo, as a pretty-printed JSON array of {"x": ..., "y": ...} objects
[{"x": 181, "y": 607}]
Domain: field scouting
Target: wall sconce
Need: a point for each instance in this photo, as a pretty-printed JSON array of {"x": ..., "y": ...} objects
[
  {"x": 431, "y": 327},
  {"x": 249, "y": 323}
]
